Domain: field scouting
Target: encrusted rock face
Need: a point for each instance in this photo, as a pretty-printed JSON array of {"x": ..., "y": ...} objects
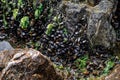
[
  {"x": 28, "y": 64},
  {"x": 100, "y": 31},
  {"x": 74, "y": 15},
  {"x": 97, "y": 16},
  {"x": 115, "y": 74}
]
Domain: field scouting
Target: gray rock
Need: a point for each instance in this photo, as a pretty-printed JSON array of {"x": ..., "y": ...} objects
[
  {"x": 100, "y": 31},
  {"x": 73, "y": 14},
  {"x": 97, "y": 16},
  {"x": 4, "y": 45}
]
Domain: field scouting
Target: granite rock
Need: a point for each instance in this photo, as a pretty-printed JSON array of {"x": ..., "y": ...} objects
[{"x": 27, "y": 64}]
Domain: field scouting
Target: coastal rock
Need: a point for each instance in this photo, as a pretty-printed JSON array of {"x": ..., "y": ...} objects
[
  {"x": 74, "y": 15},
  {"x": 28, "y": 64},
  {"x": 93, "y": 18},
  {"x": 100, "y": 30},
  {"x": 6, "y": 56}
]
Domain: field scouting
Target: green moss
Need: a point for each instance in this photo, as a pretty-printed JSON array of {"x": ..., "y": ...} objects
[
  {"x": 37, "y": 45},
  {"x": 65, "y": 31},
  {"x": 55, "y": 19},
  {"x": 60, "y": 67},
  {"x": 109, "y": 65},
  {"x": 38, "y": 11},
  {"x": 24, "y": 22},
  {"x": 49, "y": 29},
  {"x": 15, "y": 13},
  {"x": 20, "y": 3},
  {"x": 81, "y": 62},
  {"x": 50, "y": 12},
  {"x": 4, "y": 22},
  {"x": 34, "y": 4},
  {"x": 4, "y": 1}
]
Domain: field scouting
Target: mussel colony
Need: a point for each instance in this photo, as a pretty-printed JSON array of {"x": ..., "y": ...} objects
[
  {"x": 48, "y": 30},
  {"x": 42, "y": 23}
]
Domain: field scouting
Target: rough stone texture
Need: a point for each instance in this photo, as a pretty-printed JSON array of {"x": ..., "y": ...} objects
[
  {"x": 100, "y": 31},
  {"x": 6, "y": 56},
  {"x": 27, "y": 64},
  {"x": 73, "y": 15},
  {"x": 97, "y": 17},
  {"x": 115, "y": 74},
  {"x": 4, "y": 45}
]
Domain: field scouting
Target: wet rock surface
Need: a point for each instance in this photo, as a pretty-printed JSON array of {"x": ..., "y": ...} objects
[{"x": 27, "y": 64}]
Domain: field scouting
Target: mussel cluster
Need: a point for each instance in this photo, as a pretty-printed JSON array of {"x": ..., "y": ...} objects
[
  {"x": 62, "y": 43},
  {"x": 25, "y": 19},
  {"x": 40, "y": 21},
  {"x": 42, "y": 26}
]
